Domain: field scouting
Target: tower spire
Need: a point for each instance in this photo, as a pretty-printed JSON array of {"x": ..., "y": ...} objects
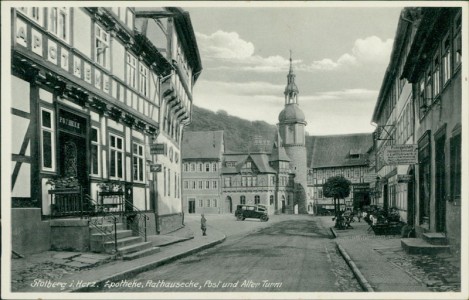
[{"x": 291, "y": 90}]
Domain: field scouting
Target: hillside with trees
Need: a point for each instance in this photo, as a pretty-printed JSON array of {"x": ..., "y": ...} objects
[{"x": 239, "y": 133}]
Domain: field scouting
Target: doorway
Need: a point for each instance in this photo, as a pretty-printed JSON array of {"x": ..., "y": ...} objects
[
  {"x": 73, "y": 158},
  {"x": 228, "y": 204},
  {"x": 191, "y": 208},
  {"x": 440, "y": 204},
  {"x": 385, "y": 198}
]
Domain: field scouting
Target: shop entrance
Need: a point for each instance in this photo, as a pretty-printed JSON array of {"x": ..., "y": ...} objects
[{"x": 72, "y": 147}]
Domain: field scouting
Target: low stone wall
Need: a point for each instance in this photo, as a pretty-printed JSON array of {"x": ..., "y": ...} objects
[
  {"x": 168, "y": 223},
  {"x": 70, "y": 235},
  {"x": 29, "y": 234}
]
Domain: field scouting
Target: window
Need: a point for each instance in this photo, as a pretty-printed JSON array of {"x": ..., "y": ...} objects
[
  {"x": 95, "y": 151},
  {"x": 192, "y": 167},
  {"x": 130, "y": 19},
  {"x": 102, "y": 51},
  {"x": 35, "y": 13},
  {"x": 201, "y": 203},
  {"x": 242, "y": 199},
  {"x": 164, "y": 181},
  {"x": 428, "y": 87},
  {"x": 193, "y": 185},
  {"x": 257, "y": 199},
  {"x": 207, "y": 167},
  {"x": 207, "y": 184},
  {"x": 143, "y": 87},
  {"x": 200, "y": 167},
  {"x": 446, "y": 60},
  {"x": 248, "y": 164},
  {"x": 249, "y": 181},
  {"x": 436, "y": 75},
  {"x": 131, "y": 73},
  {"x": 254, "y": 181},
  {"x": 214, "y": 167},
  {"x": 243, "y": 181},
  {"x": 455, "y": 160},
  {"x": 200, "y": 184},
  {"x": 208, "y": 202},
  {"x": 138, "y": 166},
  {"x": 59, "y": 22},
  {"x": 457, "y": 44},
  {"x": 227, "y": 181},
  {"x": 320, "y": 195},
  {"x": 116, "y": 149},
  {"x": 214, "y": 184},
  {"x": 215, "y": 204},
  {"x": 186, "y": 167},
  {"x": 186, "y": 184},
  {"x": 169, "y": 182},
  {"x": 271, "y": 199},
  {"x": 422, "y": 104},
  {"x": 47, "y": 140}
]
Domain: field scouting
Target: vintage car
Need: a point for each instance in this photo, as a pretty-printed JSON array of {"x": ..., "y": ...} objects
[{"x": 251, "y": 211}]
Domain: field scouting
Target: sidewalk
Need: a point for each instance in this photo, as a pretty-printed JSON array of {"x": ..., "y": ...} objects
[
  {"x": 381, "y": 265},
  {"x": 57, "y": 277}
]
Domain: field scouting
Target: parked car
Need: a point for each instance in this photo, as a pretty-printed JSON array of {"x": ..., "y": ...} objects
[{"x": 251, "y": 211}]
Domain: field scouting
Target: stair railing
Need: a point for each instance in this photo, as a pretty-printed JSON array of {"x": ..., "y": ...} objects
[
  {"x": 101, "y": 214},
  {"x": 140, "y": 218}
]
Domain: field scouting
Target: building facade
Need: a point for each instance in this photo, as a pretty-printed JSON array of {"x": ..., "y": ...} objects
[
  {"x": 433, "y": 67},
  {"x": 91, "y": 90},
  {"x": 393, "y": 116},
  {"x": 201, "y": 172},
  {"x": 338, "y": 155}
]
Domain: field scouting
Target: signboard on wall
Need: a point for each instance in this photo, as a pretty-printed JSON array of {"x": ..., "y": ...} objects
[
  {"x": 155, "y": 168},
  {"x": 158, "y": 149},
  {"x": 370, "y": 177},
  {"x": 404, "y": 178},
  {"x": 401, "y": 154}
]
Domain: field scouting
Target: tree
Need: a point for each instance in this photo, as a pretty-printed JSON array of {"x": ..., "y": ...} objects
[{"x": 337, "y": 187}]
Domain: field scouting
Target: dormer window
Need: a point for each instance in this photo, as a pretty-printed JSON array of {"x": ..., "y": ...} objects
[{"x": 354, "y": 153}]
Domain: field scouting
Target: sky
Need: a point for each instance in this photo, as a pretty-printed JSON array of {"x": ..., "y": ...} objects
[{"x": 339, "y": 57}]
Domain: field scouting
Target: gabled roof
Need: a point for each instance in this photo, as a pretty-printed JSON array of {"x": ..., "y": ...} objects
[
  {"x": 278, "y": 152},
  {"x": 202, "y": 145},
  {"x": 260, "y": 160},
  {"x": 334, "y": 150}
]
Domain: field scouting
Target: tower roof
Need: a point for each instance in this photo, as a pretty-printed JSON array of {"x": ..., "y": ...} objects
[
  {"x": 291, "y": 113},
  {"x": 291, "y": 87}
]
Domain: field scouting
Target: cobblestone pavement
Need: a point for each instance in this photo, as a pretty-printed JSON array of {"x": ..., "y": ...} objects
[
  {"x": 346, "y": 281},
  {"x": 52, "y": 265},
  {"x": 438, "y": 272}
]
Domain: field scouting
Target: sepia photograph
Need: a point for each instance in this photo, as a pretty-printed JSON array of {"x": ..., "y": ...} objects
[{"x": 234, "y": 150}]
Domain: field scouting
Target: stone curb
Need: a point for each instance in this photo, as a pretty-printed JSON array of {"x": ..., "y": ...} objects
[
  {"x": 334, "y": 233},
  {"x": 149, "y": 266},
  {"x": 361, "y": 279}
]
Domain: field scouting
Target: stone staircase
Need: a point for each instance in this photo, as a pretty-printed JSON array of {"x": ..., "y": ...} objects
[
  {"x": 430, "y": 243},
  {"x": 102, "y": 240}
]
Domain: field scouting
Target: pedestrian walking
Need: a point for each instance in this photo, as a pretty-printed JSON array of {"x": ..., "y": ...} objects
[
  {"x": 359, "y": 215},
  {"x": 203, "y": 224}
]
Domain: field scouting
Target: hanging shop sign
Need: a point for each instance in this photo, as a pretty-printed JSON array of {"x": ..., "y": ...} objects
[
  {"x": 158, "y": 149},
  {"x": 401, "y": 154},
  {"x": 155, "y": 168},
  {"x": 370, "y": 177}
]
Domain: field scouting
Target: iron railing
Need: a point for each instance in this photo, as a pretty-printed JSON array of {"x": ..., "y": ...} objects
[
  {"x": 99, "y": 217},
  {"x": 67, "y": 202},
  {"x": 138, "y": 219}
]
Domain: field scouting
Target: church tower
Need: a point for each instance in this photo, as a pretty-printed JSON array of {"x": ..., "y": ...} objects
[{"x": 291, "y": 127}]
